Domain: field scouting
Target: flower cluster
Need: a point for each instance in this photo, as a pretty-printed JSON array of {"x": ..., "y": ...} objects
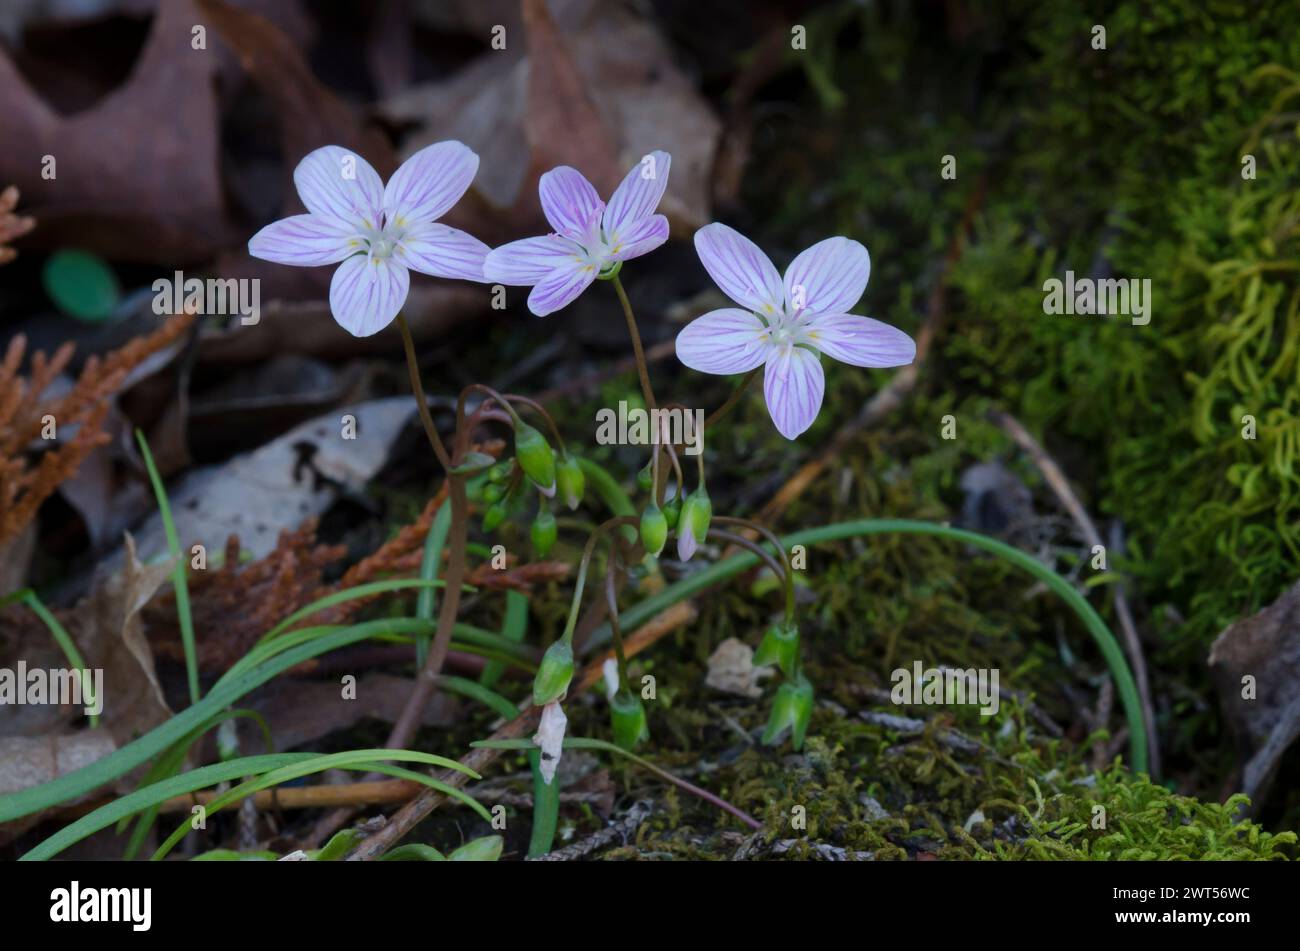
[{"x": 782, "y": 324}]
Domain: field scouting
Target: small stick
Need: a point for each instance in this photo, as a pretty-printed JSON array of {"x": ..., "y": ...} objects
[{"x": 1061, "y": 487}]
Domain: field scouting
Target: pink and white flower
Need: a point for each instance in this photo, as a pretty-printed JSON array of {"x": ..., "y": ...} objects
[
  {"x": 591, "y": 239},
  {"x": 784, "y": 325},
  {"x": 379, "y": 233}
]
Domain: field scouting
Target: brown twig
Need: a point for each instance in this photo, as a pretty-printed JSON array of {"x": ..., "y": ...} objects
[{"x": 1060, "y": 485}]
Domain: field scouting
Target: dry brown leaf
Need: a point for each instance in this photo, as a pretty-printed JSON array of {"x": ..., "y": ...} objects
[
  {"x": 136, "y": 177},
  {"x": 599, "y": 98}
]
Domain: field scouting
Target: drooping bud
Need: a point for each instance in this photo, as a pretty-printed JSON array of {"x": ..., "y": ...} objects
[
  {"x": 672, "y": 510},
  {"x": 780, "y": 646},
  {"x": 492, "y": 492},
  {"x": 654, "y": 529},
  {"x": 493, "y": 516},
  {"x": 693, "y": 523},
  {"x": 501, "y": 471},
  {"x": 553, "y": 674},
  {"x": 572, "y": 481},
  {"x": 627, "y": 716},
  {"x": 536, "y": 457},
  {"x": 792, "y": 709},
  {"x": 544, "y": 531}
]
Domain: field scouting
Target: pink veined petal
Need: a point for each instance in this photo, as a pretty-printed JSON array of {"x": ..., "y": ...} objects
[
  {"x": 793, "y": 385},
  {"x": 366, "y": 293},
  {"x": 723, "y": 341},
  {"x": 306, "y": 241},
  {"x": 860, "y": 341},
  {"x": 640, "y": 238},
  {"x": 568, "y": 201},
  {"x": 736, "y": 264},
  {"x": 638, "y": 195},
  {"x": 687, "y": 543},
  {"x": 337, "y": 183},
  {"x": 428, "y": 183},
  {"x": 531, "y": 260},
  {"x": 829, "y": 277},
  {"x": 561, "y": 287},
  {"x": 434, "y": 248}
]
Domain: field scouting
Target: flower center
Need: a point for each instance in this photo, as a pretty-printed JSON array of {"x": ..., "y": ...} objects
[{"x": 382, "y": 242}]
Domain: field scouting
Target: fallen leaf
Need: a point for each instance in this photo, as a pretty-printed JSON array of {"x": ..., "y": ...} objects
[
  {"x": 136, "y": 177},
  {"x": 298, "y": 475}
]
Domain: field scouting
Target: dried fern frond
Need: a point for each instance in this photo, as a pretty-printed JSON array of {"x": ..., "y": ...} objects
[
  {"x": 12, "y": 226},
  {"x": 24, "y": 415}
]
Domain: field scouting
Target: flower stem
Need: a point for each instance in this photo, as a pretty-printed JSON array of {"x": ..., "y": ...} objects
[
  {"x": 642, "y": 368},
  {"x": 422, "y": 404},
  {"x": 572, "y": 623},
  {"x": 616, "y": 630},
  {"x": 733, "y": 399}
]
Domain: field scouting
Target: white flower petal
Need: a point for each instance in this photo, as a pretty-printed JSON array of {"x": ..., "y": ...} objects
[
  {"x": 428, "y": 183},
  {"x": 639, "y": 238},
  {"x": 559, "y": 288},
  {"x": 744, "y": 272},
  {"x": 337, "y": 183},
  {"x": 723, "y": 341},
  {"x": 550, "y": 739},
  {"x": 366, "y": 293},
  {"x": 860, "y": 341},
  {"x": 531, "y": 260},
  {"x": 434, "y": 248},
  {"x": 610, "y": 670},
  {"x": 568, "y": 200},
  {"x": 638, "y": 195},
  {"x": 306, "y": 241},
  {"x": 829, "y": 277},
  {"x": 793, "y": 385}
]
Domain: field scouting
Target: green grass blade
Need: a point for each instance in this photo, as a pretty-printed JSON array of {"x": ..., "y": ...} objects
[
  {"x": 373, "y": 760},
  {"x": 350, "y": 594},
  {"x": 223, "y": 694},
  {"x": 195, "y": 779},
  {"x": 61, "y": 637},
  {"x": 179, "y": 582},
  {"x": 514, "y": 625},
  {"x": 427, "y": 599},
  {"x": 1110, "y": 649}
]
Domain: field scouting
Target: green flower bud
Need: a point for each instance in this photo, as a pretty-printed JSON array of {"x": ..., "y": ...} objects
[
  {"x": 693, "y": 523},
  {"x": 543, "y": 531},
  {"x": 501, "y": 471},
  {"x": 654, "y": 529},
  {"x": 628, "y": 718},
  {"x": 780, "y": 646},
  {"x": 645, "y": 478},
  {"x": 554, "y": 674},
  {"x": 493, "y": 492},
  {"x": 535, "y": 457},
  {"x": 791, "y": 708},
  {"x": 493, "y": 516},
  {"x": 672, "y": 509},
  {"x": 572, "y": 481}
]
